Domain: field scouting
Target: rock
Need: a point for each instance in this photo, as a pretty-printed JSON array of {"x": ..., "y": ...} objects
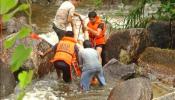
[
  {"x": 15, "y": 24},
  {"x": 40, "y": 65},
  {"x": 134, "y": 41},
  {"x": 162, "y": 34},
  {"x": 124, "y": 56},
  {"x": 133, "y": 89},
  {"x": 7, "y": 80},
  {"x": 159, "y": 62},
  {"x": 114, "y": 70},
  {"x": 174, "y": 83},
  {"x": 12, "y": 25},
  {"x": 169, "y": 96},
  {"x": 158, "y": 34}
]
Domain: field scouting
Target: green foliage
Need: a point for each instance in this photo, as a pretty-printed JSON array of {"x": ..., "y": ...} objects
[
  {"x": 136, "y": 17},
  {"x": 25, "y": 78},
  {"x": 98, "y": 3},
  {"x": 23, "y": 7},
  {"x": 19, "y": 56},
  {"x": 6, "y": 5},
  {"x": 167, "y": 10},
  {"x": 21, "y": 34},
  {"x": 94, "y": 3},
  {"x": 24, "y": 32},
  {"x": 7, "y": 16},
  {"x": 10, "y": 41},
  {"x": 21, "y": 52},
  {"x": 21, "y": 95}
]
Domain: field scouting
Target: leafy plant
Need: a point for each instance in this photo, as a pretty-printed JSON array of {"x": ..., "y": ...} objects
[
  {"x": 136, "y": 17},
  {"x": 24, "y": 78},
  {"x": 167, "y": 10},
  {"x": 7, "y": 10},
  {"x": 96, "y": 3}
]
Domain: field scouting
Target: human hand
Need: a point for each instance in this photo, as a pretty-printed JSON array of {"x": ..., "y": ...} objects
[
  {"x": 41, "y": 53},
  {"x": 86, "y": 28}
]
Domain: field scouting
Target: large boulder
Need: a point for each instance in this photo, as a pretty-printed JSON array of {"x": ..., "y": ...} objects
[
  {"x": 158, "y": 34},
  {"x": 159, "y": 62},
  {"x": 134, "y": 41},
  {"x": 41, "y": 66},
  {"x": 162, "y": 34},
  {"x": 169, "y": 96},
  {"x": 133, "y": 89},
  {"x": 114, "y": 70},
  {"x": 15, "y": 24},
  {"x": 7, "y": 80}
]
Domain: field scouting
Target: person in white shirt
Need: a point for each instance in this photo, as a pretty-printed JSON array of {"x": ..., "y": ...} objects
[
  {"x": 64, "y": 16},
  {"x": 91, "y": 66}
]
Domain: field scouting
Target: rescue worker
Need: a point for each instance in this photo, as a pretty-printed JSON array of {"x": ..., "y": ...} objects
[
  {"x": 66, "y": 52},
  {"x": 64, "y": 16},
  {"x": 96, "y": 29},
  {"x": 91, "y": 67}
]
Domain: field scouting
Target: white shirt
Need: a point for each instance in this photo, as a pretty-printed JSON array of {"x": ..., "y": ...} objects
[{"x": 66, "y": 9}]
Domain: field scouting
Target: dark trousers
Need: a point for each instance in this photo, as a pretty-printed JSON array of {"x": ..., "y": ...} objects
[
  {"x": 60, "y": 32},
  {"x": 65, "y": 68}
]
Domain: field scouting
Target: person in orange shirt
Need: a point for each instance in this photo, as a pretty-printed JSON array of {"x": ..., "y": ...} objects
[
  {"x": 66, "y": 52},
  {"x": 96, "y": 29}
]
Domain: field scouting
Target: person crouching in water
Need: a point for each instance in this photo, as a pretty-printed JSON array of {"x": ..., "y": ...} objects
[
  {"x": 65, "y": 52},
  {"x": 91, "y": 66}
]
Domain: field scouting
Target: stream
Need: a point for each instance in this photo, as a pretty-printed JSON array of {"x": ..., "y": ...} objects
[{"x": 51, "y": 88}]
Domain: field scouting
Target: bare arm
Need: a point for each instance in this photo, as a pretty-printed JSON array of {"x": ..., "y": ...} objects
[
  {"x": 43, "y": 54},
  {"x": 74, "y": 29},
  {"x": 94, "y": 32},
  {"x": 99, "y": 29},
  {"x": 76, "y": 14},
  {"x": 69, "y": 19},
  {"x": 80, "y": 59}
]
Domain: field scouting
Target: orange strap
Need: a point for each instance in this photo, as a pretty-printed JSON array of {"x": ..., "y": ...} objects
[
  {"x": 34, "y": 36},
  {"x": 76, "y": 68}
]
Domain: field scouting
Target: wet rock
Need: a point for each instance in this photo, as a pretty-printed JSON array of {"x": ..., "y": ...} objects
[
  {"x": 40, "y": 65},
  {"x": 162, "y": 34},
  {"x": 114, "y": 70},
  {"x": 15, "y": 24},
  {"x": 169, "y": 96},
  {"x": 134, "y": 41},
  {"x": 133, "y": 89},
  {"x": 124, "y": 56},
  {"x": 159, "y": 62},
  {"x": 12, "y": 25},
  {"x": 174, "y": 83},
  {"x": 44, "y": 64},
  {"x": 7, "y": 80}
]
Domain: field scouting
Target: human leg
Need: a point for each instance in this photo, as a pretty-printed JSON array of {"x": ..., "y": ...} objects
[
  {"x": 60, "y": 32},
  {"x": 101, "y": 78},
  {"x": 86, "y": 77},
  {"x": 67, "y": 73},
  {"x": 61, "y": 65},
  {"x": 57, "y": 68},
  {"x": 99, "y": 50}
]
